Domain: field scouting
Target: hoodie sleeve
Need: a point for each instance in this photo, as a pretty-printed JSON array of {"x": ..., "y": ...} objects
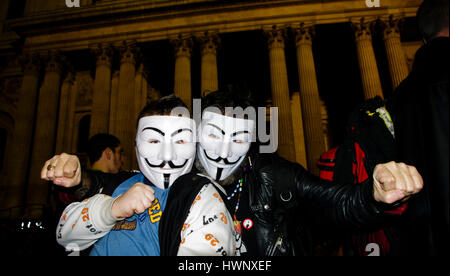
[{"x": 83, "y": 223}]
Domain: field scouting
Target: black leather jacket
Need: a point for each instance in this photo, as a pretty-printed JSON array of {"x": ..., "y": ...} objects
[{"x": 285, "y": 199}]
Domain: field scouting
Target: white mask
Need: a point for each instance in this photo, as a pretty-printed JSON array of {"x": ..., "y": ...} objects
[
  {"x": 224, "y": 143},
  {"x": 165, "y": 148}
]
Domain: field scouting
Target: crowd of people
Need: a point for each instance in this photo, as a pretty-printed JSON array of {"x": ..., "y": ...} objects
[{"x": 203, "y": 188}]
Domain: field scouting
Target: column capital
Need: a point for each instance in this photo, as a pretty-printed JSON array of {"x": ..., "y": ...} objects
[
  {"x": 304, "y": 32},
  {"x": 275, "y": 35},
  {"x": 182, "y": 45},
  {"x": 363, "y": 27},
  {"x": 116, "y": 74},
  {"x": 104, "y": 53},
  {"x": 129, "y": 52},
  {"x": 209, "y": 42},
  {"x": 391, "y": 25},
  {"x": 70, "y": 77},
  {"x": 54, "y": 62},
  {"x": 31, "y": 63}
]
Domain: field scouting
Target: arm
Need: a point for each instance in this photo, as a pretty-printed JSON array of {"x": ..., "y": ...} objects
[
  {"x": 208, "y": 229},
  {"x": 65, "y": 171},
  {"x": 367, "y": 204},
  {"x": 83, "y": 223},
  {"x": 346, "y": 204},
  {"x": 350, "y": 205}
]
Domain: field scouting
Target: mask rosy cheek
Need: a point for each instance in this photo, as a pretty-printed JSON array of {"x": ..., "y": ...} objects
[
  {"x": 210, "y": 145},
  {"x": 240, "y": 149},
  {"x": 147, "y": 150},
  {"x": 185, "y": 151}
]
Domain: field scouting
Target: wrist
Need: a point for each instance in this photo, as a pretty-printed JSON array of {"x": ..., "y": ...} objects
[
  {"x": 115, "y": 209},
  {"x": 105, "y": 212}
]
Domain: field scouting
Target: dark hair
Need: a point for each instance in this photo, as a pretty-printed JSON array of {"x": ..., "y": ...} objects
[
  {"x": 98, "y": 143},
  {"x": 233, "y": 96},
  {"x": 432, "y": 17},
  {"x": 162, "y": 106}
]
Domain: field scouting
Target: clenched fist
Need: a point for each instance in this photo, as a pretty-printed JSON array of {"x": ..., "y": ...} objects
[
  {"x": 64, "y": 170},
  {"x": 395, "y": 182},
  {"x": 136, "y": 200}
]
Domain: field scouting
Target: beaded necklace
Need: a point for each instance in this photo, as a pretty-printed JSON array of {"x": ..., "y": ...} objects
[
  {"x": 238, "y": 188},
  {"x": 238, "y": 191}
]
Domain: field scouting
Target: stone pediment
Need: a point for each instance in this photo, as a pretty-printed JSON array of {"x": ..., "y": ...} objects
[{"x": 111, "y": 21}]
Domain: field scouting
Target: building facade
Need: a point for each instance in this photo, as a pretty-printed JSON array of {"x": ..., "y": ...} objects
[{"x": 68, "y": 72}]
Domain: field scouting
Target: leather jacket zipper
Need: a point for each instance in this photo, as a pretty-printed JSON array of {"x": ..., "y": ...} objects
[{"x": 276, "y": 245}]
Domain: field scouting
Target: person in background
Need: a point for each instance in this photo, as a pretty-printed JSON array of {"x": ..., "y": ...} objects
[
  {"x": 419, "y": 109},
  {"x": 105, "y": 153}
]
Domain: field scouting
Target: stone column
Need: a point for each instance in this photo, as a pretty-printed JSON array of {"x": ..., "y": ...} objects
[
  {"x": 18, "y": 154},
  {"x": 140, "y": 90},
  {"x": 145, "y": 92},
  {"x": 209, "y": 80},
  {"x": 64, "y": 118},
  {"x": 309, "y": 96},
  {"x": 44, "y": 135},
  {"x": 182, "y": 82},
  {"x": 125, "y": 127},
  {"x": 366, "y": 56},
  {"x": 297, "y": 126},
  {"x": 394, "y": 52},
  {"x": 102, "y": 90},
  {"x": 325, "y": 126},
  {"x": 280, "y": 91},
  {"x": 113, "y": 102},
  {"x": 69, "y": 144}
]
